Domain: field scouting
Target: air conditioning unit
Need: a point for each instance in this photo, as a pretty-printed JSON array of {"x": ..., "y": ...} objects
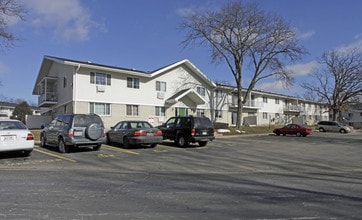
[
  {"x": 101, "y": 88},
  {"x": 160, "y": 95}
]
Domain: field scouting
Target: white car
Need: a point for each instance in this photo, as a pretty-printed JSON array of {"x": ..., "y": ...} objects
[{"x": 15, "y": 136}]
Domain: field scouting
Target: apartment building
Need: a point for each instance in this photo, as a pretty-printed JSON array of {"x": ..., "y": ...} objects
[{"x": 71, "y": 86}]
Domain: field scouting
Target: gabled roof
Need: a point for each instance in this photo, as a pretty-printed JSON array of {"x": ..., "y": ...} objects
[
  {"x": 191, "y": 66},
  {"x": 49, "y": 60},
  {"x": 190, "y": 93}
]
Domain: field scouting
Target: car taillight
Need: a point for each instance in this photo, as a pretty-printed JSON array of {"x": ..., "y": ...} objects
[
  {"x": 193, "y": 132},
  {"x": 157, "y": 133},
  {"x": 71, "y": 134},
  {"x": 139, "y": 133},
  {"x": 30, "y": 137}
]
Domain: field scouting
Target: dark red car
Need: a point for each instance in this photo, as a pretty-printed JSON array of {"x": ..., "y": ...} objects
[{"x": 295, "y": 129}]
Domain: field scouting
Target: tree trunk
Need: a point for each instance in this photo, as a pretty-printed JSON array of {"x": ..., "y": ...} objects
[{"x": 240, "y": 109}]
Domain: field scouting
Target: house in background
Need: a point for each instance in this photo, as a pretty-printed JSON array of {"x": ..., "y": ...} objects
[
  {"x": 353, "y": 116},
  {"x": 114, "y": 93},
  {"x": 7, "y": 109}
]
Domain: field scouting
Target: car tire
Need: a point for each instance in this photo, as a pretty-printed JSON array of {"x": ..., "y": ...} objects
[
  {"x": 298, "y": 134},
  {"x": 63, "y": 148},
  {"x": 202, "y": 143},
  {"x": 322, "y": 130},
  {"x": 343, "y": 131},
  {"x": 277, "y": 133},
  {"x": 153, "y": 145},
  {"x": 181, "y": 141},
  {"x": 26, "y": 153},
  {"x": 94, "y": 131},
  {"x": 42, "y": 141},
  {"x": 108, "y": 141},
  {"x": 126, "y": 143},
  {"x": 97, "y": 148}
]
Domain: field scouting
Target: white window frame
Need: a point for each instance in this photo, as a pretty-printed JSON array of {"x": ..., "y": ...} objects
[
  {"x": 100, "y": 108},
  {"x": 133, "y": 82},
  {"x": 160, "y": 111},
  {"x": 160, "y": 86},
  {"x": 201, "y": 90},
  {"x": 132, "y": 110},
  {"x": 100, "y": 78}
]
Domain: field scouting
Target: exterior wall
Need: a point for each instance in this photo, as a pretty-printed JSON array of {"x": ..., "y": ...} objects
[
  {"x": 64, "y": 91},
  {"x": 78, "y": 92}
]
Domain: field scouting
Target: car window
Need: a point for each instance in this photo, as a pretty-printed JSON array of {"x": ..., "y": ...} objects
[
  {"x": 203, "y": 121},
  {"x": 170, "y": 123},
  {"x": 85, "y": 120},
  {"x": 9, "y": 125}
]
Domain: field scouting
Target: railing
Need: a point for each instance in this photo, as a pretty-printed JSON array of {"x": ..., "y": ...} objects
[
  {"x": 48, "y": 97},
  {"x": 293, "y": 108},
  {"x": 249, "y": 104}
]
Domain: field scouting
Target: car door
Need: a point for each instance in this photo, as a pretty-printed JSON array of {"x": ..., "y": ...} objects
[
  {"x": 168, "y": 128},
  {"x": 115, "y": 133},
  {"x": 51, "y": 132}
]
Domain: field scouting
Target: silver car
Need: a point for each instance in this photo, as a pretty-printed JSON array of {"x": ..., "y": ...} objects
[{"x": 335, "y": 126}]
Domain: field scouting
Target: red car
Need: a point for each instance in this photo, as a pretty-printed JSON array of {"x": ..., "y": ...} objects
[{"x": 296, "y": 129}]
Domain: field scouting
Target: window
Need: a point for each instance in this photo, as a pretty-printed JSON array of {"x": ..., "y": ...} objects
[
  {"x": 160, "y": 86},
  {"x": 277, "y": 115},
  {"x": 65, "y": 81},
  {"x": 159, "y": 111},
  {"x": 200, "y": 112},
  {"x": 218, "y": 93},
  {"x": 100, "y": 78},
  {"x": 265, "y": 115},
  {"x": 218, "y": 114},
  {"x": 100, "y": 108},
  {"x": 200, "y": 90},
  {"x": 276, "y": 101},
  {"x": 133, "y": 83},
  {"x": 265, "y": 99},
  {"x": 132, "y": 110}
]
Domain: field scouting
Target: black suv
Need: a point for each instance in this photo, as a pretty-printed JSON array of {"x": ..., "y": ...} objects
[
  {"x": 74, "y": 130},
  {"x": 186, "y": 129}
]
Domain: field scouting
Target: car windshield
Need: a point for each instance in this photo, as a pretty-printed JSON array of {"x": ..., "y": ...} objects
[
  {"x": 84, "y": 120},
  {"x": 11, "y": 125}
]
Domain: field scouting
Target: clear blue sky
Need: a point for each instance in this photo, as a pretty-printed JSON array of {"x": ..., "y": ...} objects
[{"x": 146, "y": 35}]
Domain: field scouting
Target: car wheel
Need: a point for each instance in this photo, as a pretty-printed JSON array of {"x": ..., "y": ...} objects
[
  {"x": 202, "y": 143},
  {"x": 284, "y": 134},
  {"x": 94, "y": 131},
  {"x": 277, "y": 133},
  {"x": 42, "y": 141},
  {"x": 26, "y": 153},
  {"x": 109, "y": 142},
  {"x": 96, "y": 148},
  {"x": 321, "y": 130},
  {"x": 342, "y": 131},
  {"x": 181, "y": 141},
  {"x": 62, "y": 147},
  {"x": 298, "y": 134},
  {"x": 153, "y": 145},
  {"x": 126, "y": 142}
]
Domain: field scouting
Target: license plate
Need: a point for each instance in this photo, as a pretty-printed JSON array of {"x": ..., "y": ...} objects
[
  {"x": 8, "y": 138},
  {"x": 78, "y": 133},
  {"x": 149, "y": 134},
  {"x": 204, "y": 133}
]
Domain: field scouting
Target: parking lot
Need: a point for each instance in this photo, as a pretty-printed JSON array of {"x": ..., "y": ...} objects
[{"x": 245, "y": 177}]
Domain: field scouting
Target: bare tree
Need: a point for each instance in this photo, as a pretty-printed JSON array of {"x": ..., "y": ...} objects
[
  {"x": 340, "y": 83},
  {"x": 8, "y": 9},
  {"x": 241, "y": 32}
]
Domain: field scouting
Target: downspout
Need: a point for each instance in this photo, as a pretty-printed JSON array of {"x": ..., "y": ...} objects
[{"x": 75, "y": 89}]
